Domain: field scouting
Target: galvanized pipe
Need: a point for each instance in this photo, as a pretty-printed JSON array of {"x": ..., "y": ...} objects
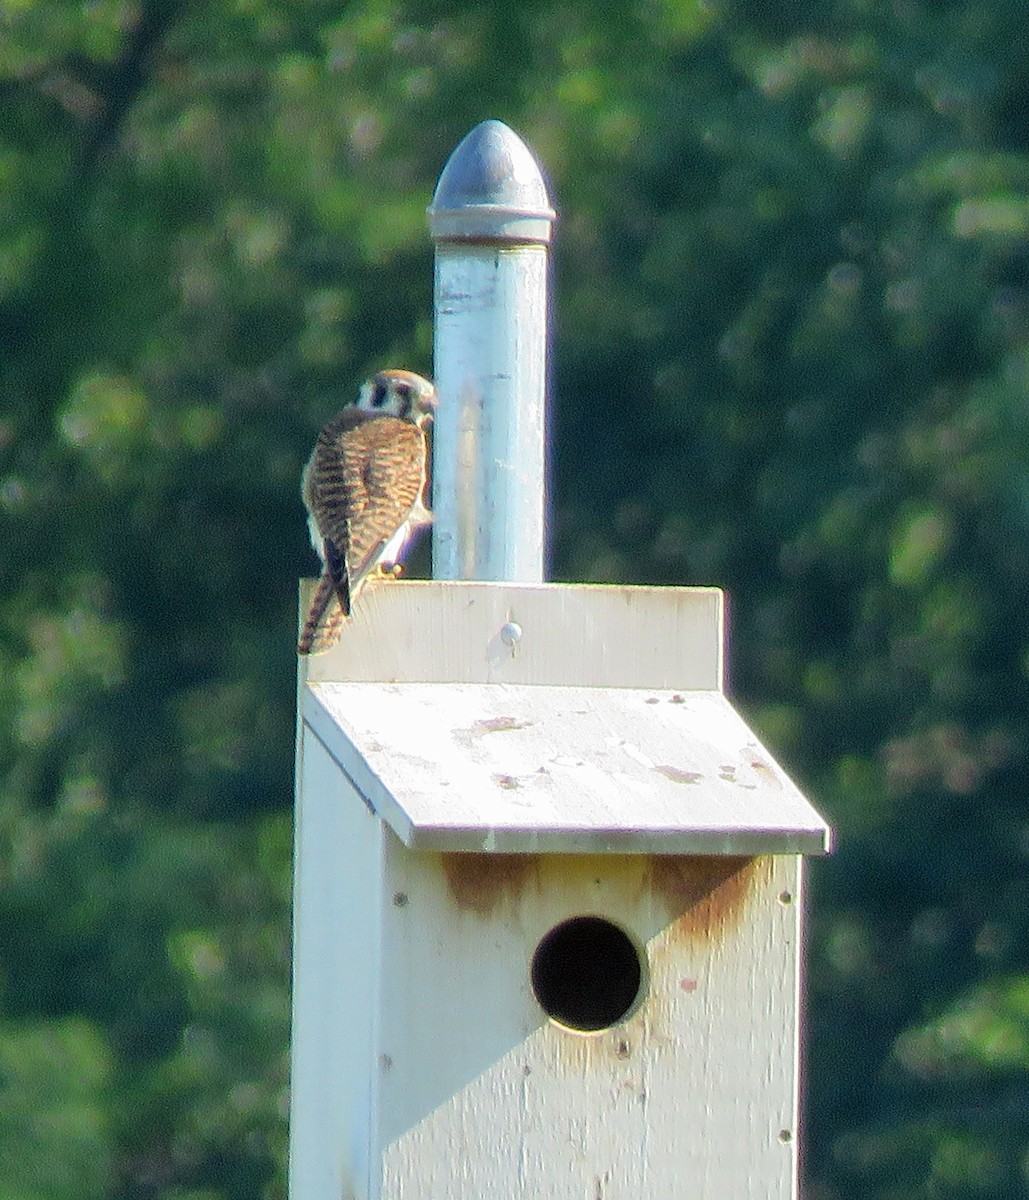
[{"x": 491, "y": 221}]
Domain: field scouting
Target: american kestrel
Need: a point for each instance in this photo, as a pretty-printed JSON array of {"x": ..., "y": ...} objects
[{"x": 363, "y": 488}]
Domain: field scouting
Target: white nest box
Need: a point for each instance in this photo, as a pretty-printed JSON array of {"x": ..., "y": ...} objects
[{"x": 547, "y": 907}]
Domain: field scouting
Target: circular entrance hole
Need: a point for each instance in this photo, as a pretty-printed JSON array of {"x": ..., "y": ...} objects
[{"x": 586, "y": 974}]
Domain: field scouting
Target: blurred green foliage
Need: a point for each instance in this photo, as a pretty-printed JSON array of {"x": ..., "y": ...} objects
[{"x": 791, "y": 358}]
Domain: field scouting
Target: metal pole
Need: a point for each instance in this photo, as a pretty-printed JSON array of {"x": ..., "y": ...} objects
[{"x": 491, "y": 221}]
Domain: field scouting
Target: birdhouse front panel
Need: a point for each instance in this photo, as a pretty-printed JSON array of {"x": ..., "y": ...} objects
[{"x": 586, "y": 1026}]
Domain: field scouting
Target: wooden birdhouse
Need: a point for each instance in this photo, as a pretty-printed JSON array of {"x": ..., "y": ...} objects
[{"x": 547, "y": 905}]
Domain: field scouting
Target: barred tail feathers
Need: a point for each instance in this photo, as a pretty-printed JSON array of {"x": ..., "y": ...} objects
[{"x": 325, "y": 619}]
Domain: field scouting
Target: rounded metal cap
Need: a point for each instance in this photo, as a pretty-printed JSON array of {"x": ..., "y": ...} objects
[{"x": 491, "y": 190}]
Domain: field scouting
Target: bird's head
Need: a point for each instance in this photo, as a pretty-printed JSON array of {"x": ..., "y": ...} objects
[{"x": 399, "y": 394}]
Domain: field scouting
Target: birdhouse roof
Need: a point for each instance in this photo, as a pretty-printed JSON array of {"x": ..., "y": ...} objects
[
  {"x": 527, "y": 768},
  {"x": 550, "y": 718}
]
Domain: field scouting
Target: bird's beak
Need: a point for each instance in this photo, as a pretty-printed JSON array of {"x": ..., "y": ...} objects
[{"x": 428, "y": 402}]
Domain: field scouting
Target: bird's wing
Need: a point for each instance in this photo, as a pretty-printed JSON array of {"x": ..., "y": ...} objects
[
  {"x": 392, "y": 474},
  {"x": 367, "y": 474}
]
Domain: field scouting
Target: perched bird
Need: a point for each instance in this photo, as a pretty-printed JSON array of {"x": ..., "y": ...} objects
[{"x": 363, "y": 488}]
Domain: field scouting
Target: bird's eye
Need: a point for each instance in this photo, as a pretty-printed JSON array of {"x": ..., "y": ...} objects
[
  {"x": 404, "y": 391},
  {"x": 379, "y": 395}
]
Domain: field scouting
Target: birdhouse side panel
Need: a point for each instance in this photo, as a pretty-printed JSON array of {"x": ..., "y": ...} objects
[{"x": 335, "y": 938}]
